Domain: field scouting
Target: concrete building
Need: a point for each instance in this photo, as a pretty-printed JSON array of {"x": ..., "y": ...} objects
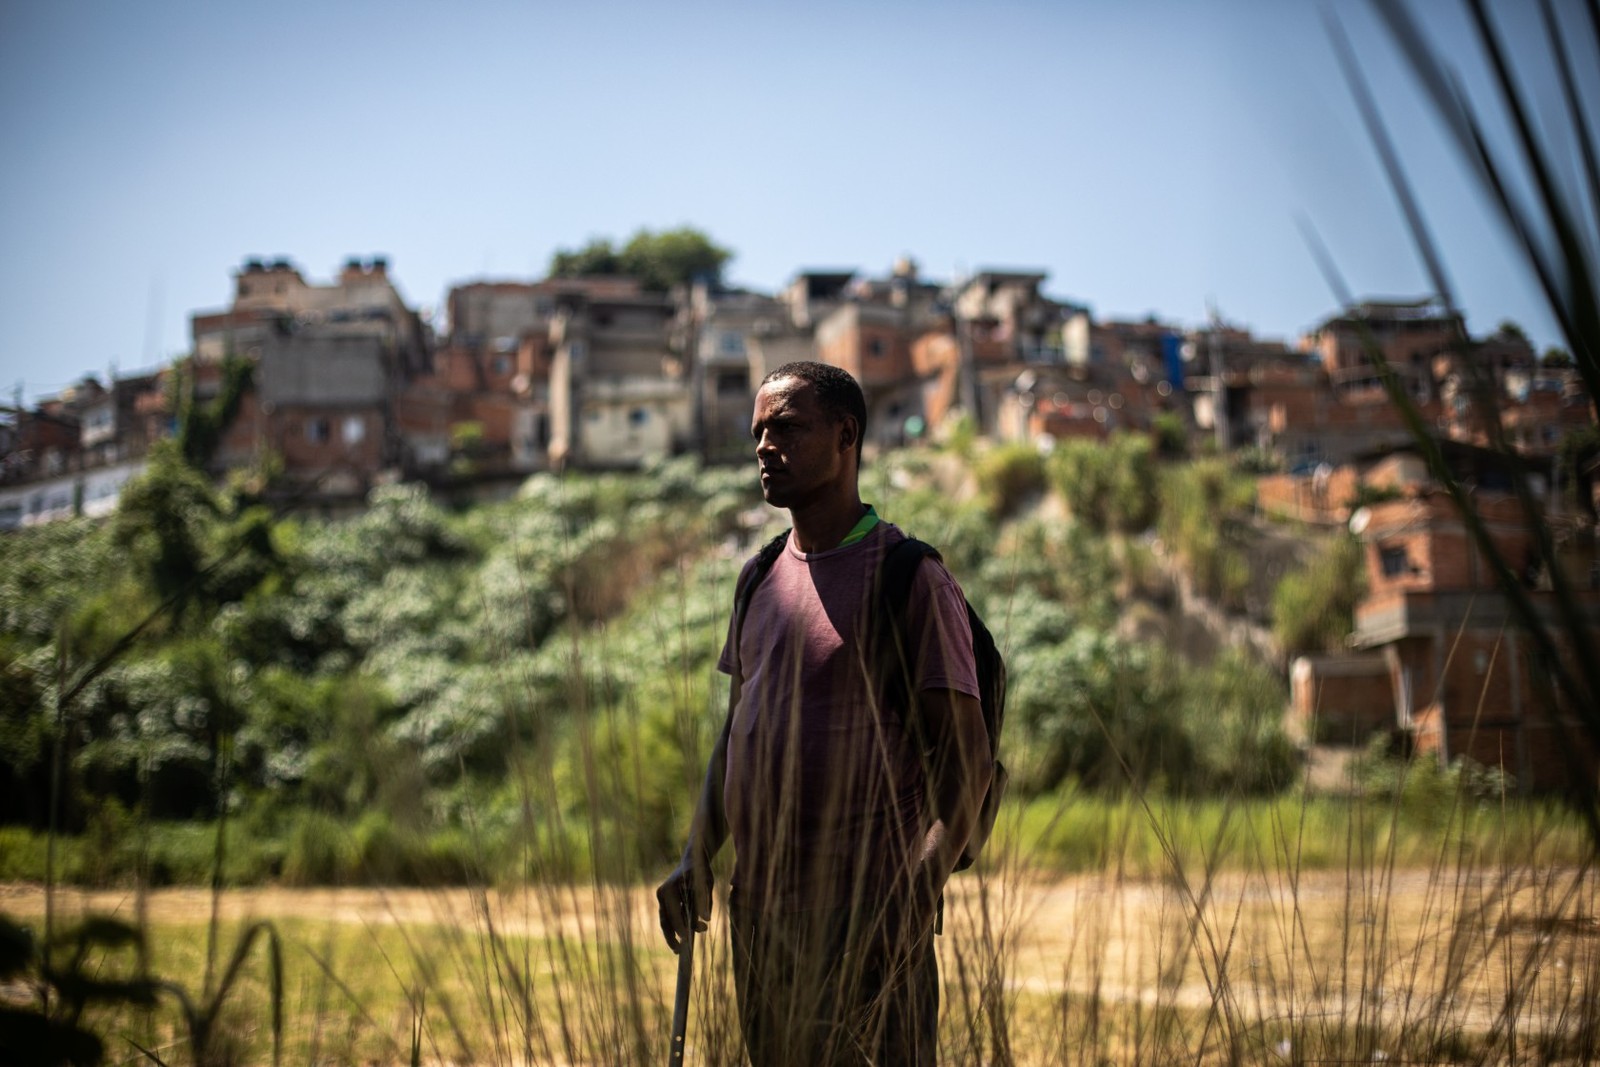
[
  {"x": 812, "y": 294},
  {"x": 735, "y": 338},
  {"x": 619, "y": 396},
  {"x": 330, "y": 364},
  {"x": 870, "y": 335},
  {"x": 484, "y": 410},
  {"x": 71, "y": 453}
]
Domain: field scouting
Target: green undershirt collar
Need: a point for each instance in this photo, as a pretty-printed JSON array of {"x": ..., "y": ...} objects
[{"x": 861, "y": 528}]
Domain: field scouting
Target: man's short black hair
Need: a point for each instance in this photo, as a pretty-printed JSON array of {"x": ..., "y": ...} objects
[{"x": 838, "y": 394}]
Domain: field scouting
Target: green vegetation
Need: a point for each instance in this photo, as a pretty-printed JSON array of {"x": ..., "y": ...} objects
[
  {"x": 518, "y": 699},
  {"x": 1109, "y": 486},
  {"x": 1313, "y": 608},
  {"x": 425, "y": 697},
  {"x": 1203, "y": 510},
  {"x": 659, "y": 260},
  {"x": 1008, "y": 475}
]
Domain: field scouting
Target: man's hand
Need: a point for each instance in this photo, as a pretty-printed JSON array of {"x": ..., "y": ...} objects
[{"x": 685, "y": 898}]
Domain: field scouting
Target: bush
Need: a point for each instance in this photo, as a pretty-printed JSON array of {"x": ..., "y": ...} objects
[
  {"x": 388, "y": 854},
  {"x": 1171, "y": 434},
  {"x": 1234, "y": 710},
  {"x": 1313, "y": 608},
  {"x": 23, "y": 855},
  {"x": 1008, "y": 475},
  {"x": 1111, "y": 485},
  {"x": 1202, "y": 521},
  {"x": 1426, "y": 790},
  {"x": 320, "y": 852}
]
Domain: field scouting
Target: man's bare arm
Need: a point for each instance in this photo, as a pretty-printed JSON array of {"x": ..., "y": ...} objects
[
  {"x": 959, "y": 767},
  {"x": 688, "y": 888}
]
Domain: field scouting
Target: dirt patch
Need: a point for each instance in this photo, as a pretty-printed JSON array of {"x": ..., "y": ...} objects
[{"x": 1407, "y": 941}]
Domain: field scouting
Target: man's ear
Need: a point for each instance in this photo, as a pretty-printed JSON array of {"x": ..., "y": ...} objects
[{"x": 849, "y": 433}]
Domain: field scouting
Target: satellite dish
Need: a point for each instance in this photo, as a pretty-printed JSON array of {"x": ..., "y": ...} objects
[{"x": 1360, "y": 520}]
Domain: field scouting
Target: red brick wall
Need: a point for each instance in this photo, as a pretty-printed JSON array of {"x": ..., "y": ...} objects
[
  {"x": 1297, "y": 496},
  {"x": 304, "y": 455},
  {"x": 842, "y": 349},
  {"x": 1337, "y": 701},
  {"x": 936, "y": 354},
  {"x": 883, "y": 356},
  {"x": 242, "y": 436}
]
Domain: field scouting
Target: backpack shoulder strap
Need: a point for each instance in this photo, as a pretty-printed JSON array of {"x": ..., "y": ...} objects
[
  {"x": 764, "y": 560},
  {"x": 893, "y": 656},
  {"x": 899, "y": 570}
]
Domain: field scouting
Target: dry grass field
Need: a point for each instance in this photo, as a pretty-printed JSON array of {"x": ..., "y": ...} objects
[{"x": 1479, "y": 965}]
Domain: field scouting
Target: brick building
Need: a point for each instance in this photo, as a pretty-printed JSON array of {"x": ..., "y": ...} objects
[
  {"x": 330, "y": 363},
  {"x": 1409, "y": 334},
  {"x": 735, "y": 338},
  {"x": 1464, "y": 676}
]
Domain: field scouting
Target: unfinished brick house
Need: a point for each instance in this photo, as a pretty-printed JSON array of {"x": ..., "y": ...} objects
[
  {"x": 1464, "y": 678},
  {"x": 482, "y": 410},
  {"x": 870, "y": 334},
  {"x": 1409, "y": 334},
  {"x": 330, "y": 363},
  {"x": 983, "y": 336}
]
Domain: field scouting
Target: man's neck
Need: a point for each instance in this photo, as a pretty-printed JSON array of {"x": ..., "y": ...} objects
[{"x": 821, "y": 526}]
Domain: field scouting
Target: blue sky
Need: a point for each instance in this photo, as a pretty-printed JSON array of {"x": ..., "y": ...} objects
[{"x": 1153, "y": 157}]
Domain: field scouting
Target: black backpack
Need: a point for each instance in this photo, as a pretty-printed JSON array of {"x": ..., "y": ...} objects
[{"x": 895, "y": 576}]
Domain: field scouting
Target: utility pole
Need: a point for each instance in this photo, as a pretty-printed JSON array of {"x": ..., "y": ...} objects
[{"x": 1220, "y": 378}]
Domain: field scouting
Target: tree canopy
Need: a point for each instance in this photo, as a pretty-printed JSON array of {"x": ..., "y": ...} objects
[{"x": 659, "y": 260}]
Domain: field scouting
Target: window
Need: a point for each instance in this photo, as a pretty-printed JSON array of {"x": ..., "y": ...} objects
[
  {"x": 501, "y": 366},
  {"x": 355, "y": 430},
  {"x": 731, "y": 343},
  {"x": 638, "y": 417},
  {"x": 1394, "y": 561},
  {"x": 316, "y": 431},
  {"x": 875, "y": 347},
  {"x": 732, "y": 384}
]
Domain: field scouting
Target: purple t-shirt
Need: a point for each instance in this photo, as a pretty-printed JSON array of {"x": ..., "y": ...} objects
[{"x": 824, "y": 786}]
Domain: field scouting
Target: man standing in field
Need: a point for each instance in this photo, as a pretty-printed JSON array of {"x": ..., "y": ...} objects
[{"x": 848, "y": 795}]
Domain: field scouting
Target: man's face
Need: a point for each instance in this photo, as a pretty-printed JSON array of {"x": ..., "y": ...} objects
[{"x": 803, "y": 454}]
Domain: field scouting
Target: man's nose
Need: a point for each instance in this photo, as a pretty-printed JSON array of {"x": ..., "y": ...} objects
[{"x": 765, "y": 445}]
